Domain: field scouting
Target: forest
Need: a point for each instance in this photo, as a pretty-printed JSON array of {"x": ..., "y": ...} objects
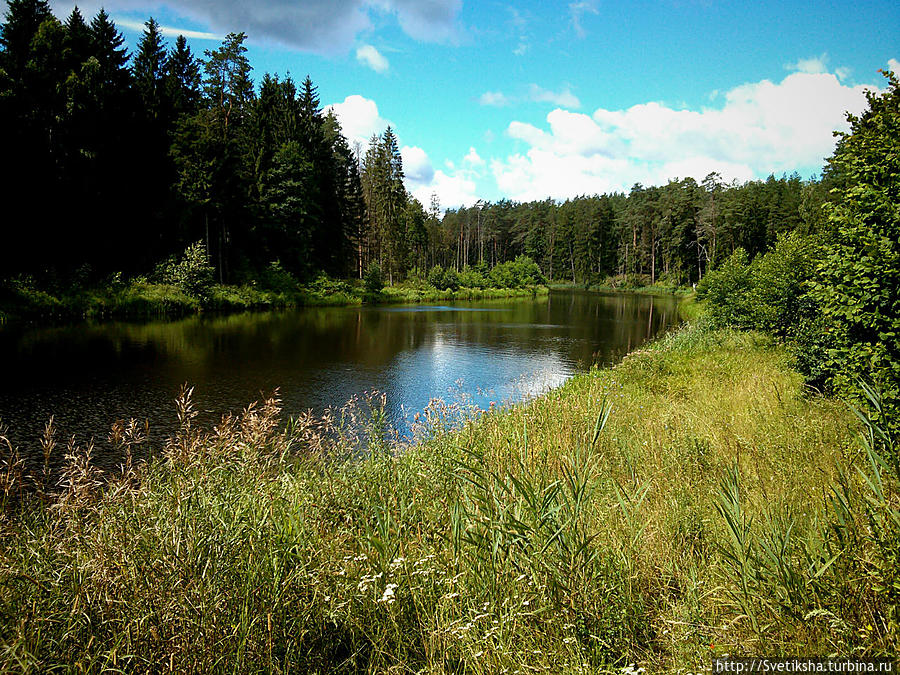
[{"x": 116, "y": 162}]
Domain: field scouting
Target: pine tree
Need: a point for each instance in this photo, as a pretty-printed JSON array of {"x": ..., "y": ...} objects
[{"x": 227, "y": 84}]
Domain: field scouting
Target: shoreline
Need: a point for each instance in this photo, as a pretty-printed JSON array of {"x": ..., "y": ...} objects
[{"x": 147, "y": 302}]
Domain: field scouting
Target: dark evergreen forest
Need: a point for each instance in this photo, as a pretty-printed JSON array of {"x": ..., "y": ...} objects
[{"x": 116, "y": 161}]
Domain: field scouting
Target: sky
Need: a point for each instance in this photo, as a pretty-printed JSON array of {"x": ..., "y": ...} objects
[{"x": 530, "y": 100}]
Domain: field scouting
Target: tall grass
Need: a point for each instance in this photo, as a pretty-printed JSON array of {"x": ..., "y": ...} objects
[{"x": 692, "y": 500}]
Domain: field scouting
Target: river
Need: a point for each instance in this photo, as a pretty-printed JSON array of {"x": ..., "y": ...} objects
[{"x": 88, "y": 375}]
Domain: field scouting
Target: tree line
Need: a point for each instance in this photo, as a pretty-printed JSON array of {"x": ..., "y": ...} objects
[
  {"x": 117, "y": 161},
  {"x": 672, "y": 233}
]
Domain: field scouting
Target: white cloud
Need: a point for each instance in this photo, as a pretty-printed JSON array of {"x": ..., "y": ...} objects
[
  {"x": 564, "y": 98},
  {"x": 453, "y": 190},
  {"x": 416, "y": 165},
  {"x": 454, "y": 187},
  {"x": 495, "y": 98},
  {"x": 758, "y": 128},
  {"x": 323, "y": 26},
  {"x": 168, "y": 31},
  {"x": 473, "y": 159},
  {"x": 359, "y": 118},
  {"x": 815, "y": 65},
  {"x": 371, "y": 57},
  {"x": 894, "y": 66}
]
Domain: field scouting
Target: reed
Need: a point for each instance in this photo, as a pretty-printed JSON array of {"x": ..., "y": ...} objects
[{"x": 693, "y": 500}]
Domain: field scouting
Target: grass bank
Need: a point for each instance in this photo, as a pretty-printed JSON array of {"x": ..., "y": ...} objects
[
  {"x": 692, "y": 500},
  {"x": 147, "y": 300},
  {"x": 623, "y": 285}
]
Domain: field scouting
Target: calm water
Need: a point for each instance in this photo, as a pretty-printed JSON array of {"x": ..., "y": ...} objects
[{"x": 91, "y": 374}]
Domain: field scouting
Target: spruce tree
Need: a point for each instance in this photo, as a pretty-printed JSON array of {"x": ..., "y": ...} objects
[
  {"x": 183, "y": 79},
  {"x": 22, "y": 20},
  {"x": 149, "y": 70}
]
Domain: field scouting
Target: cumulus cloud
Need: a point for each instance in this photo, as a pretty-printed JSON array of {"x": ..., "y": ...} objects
[
  {"x": 473, "y": 159},
  {"x": 453, "y": 190},
  {"x": 359, "y": 118},
  {"x": 372, "y": 58},
  {"x": 454, "y": 187},
  {"x": 416, "y": 165},
  {"x": 325, "y": 26},
  {"x": 894, "y": 66},
  {"x": 495, "y": 98},
  {"x": 564, "y": 98},
  {"x": 759, "y": 128}
]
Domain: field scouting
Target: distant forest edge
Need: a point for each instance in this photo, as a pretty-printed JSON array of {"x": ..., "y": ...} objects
[{"x": 118, "y": 164}]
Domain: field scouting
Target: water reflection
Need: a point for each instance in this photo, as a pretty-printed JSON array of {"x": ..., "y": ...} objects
[{"x": 91, "y": 374}]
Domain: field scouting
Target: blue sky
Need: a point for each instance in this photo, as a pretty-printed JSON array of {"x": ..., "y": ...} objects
[{"x": 530, "y": 100}]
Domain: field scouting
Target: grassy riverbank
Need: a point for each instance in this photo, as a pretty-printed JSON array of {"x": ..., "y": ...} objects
[
  {"x": 693, "y": 500},
  {"x": 148, "y": 300},
  {"x": 630, "y": 283}
]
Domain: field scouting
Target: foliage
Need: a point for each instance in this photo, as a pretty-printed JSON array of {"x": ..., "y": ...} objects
[
  {"x": 859, "y": 291},
  {"x": 374, "y": 279},
  {"x": 191, "y": 272},
  {"x": 728, "y": 290}
]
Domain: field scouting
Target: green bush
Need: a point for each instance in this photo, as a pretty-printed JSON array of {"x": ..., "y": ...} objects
[
  {"x": 472, "y": 277},
  {"x": 728, "y": 289},
  {"x": 782, "y": 279},
  {"x": 859, "y": 289},
  {"x": 374, "y": 279},
  {"x": 451, "y": 280},
  {"x": 444, "y": 280},
  {"x": 436, "y": 276},
  {"x": 192, "y": 272},
  {"x": 519, "y": 273},
  {"x": 276, "y": 278}
]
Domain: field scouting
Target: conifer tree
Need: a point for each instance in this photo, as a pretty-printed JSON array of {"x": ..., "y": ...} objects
[
  {"x": 183, "y": 79},
  {"x": 149, "y": 70}
]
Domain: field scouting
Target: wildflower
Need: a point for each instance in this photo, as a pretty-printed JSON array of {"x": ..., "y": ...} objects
[{"x": 388, "y": 595}]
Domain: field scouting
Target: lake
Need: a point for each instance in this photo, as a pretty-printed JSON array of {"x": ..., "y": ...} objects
[{"x": 88, "y": 375}]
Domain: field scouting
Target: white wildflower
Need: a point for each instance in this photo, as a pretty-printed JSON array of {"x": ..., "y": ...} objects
[{"x": 388, "y": 595}]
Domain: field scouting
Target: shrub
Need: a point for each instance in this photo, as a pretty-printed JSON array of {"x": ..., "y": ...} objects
[
  {"x": 728, "y": 289},
  {"x": 859, "y": 289},
  {"x": 518, "y": 273},
  {"x": 782, "y": 279},
  {"x": 374, "y": 279},
  {"x": 192, "y": 273},
  {"x": 276, "y": 278},
  {"x": 443, "y": 279},
  {"x": 472, "y": 277},
  {"x": 451, "y": 280},
  {"x": 436, "y": 276}
]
